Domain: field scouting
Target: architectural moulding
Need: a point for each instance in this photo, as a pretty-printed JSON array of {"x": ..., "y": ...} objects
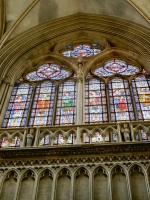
[
  {"x": 113, "y": 149},
  {"x": 17, "y": 22},
  {"x": 22, "y": 47},
  {"x": 143, "y": 7}
]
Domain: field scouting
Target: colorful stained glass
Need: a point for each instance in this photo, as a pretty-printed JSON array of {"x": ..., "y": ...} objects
[
  {"x": 42, "y": 108},
  {"x": 141, "y": 91},
  {"x": 95, "y": 102},
  {"x": 71, "y": 139},
  {"x": 4, "y": 142},
  {"x": 84, "y": 50},
  {"x": 15, "y": 142},
  {"x": 144, "y": 135},
  {"x": 46, "y": 71},
  {"x": 86, "y": 138},
  {"x": 18, "y": 106},
  {"x": 97, "y": 138},
  {"x": 59, "y": 140},
  {"x": 116, "y": 67},
  {"x": 66, "y": 103},
  {"x": 120, "y": 100},
  {"x": 45, "y": 141}
]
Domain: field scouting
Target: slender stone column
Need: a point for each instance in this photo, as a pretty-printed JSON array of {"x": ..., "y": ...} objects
[
  {"x": 79, "y": 106},
  {"x": 53, "y": 187},
  {"x": 72, "y": 187},
  {"x": 17, "y": 188},
  {"x": 90, "y": 186},
  {"x": 119, "y": 132},
  {"x": 147, "y": 183},
  {"x": 132, "y": 132},
  {"x": 35, "y": 188},
  {"x": 24, "y": 137},
  {"x": 128, "y": 186},
  {"x": 110, "y": 186},
  {"x": 78, "y": 138},
  {"x": 36, "y": 136},
  {"x": 5, "y": 92}
]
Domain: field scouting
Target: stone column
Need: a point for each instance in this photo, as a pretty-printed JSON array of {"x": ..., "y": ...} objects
[
  {"x": 5, "y": 94},
  {"x": 35, "y": 188},
  {"x": 79, "y": 105},
  {"x": 128, "y": 186},
  {"x": 132, "y": 132},
  {"x": 36, "y": 136},
  {"x": 78, "y": 137},
  {"x": 17, "y": 188},
  {"x": 109, "y": 185},
  {"x": 119, "y": 132},
  {"x": 72, "y": 187},
  {"x": 53, "y": 187}
]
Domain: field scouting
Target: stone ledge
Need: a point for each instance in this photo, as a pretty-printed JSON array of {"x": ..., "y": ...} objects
[{"x": 87, "y": 149}]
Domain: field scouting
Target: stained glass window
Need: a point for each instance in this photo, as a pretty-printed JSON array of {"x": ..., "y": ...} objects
[
  {"x": 59, "y": 140},
  {"x": 141, "y": 91},
  {"x": 51, "y": 71},
  {"x": 45, "y": 141},
  {"x": 42, "y": 109},
  {"x": 66, "y": 103},
  {"x": 121, "y": 108},
  {"x": 4, "y": 142},
  {"x": 95, "y": 102},
  {"x": 84, "y": 50},
  {"x": 18, "y": 107},
  {"x": 116, "y": 67},
  {"x": 71, "y": 139},
  {"x": 15, "y": 142},
  {"x": 86, "y": 138}
]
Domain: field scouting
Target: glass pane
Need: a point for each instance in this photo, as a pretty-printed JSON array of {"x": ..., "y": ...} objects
[
  {"x": 42, "y": 109},
  {"x": 120, "y": 102},
  {"x": 18, "y": 107},
  {"x": 95, "y": 102},
  {"x": 66, "y": 103},
  {"x": 141, "y": 90}
]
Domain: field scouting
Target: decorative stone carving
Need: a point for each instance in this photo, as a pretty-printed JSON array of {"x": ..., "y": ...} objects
[
  {"x": 30, "y": 137},
  {"x": 126, "y": 132}
]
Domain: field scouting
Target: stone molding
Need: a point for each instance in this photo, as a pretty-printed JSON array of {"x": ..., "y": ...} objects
[
  {"x": 22, "y": 47},
  {"x": 89, "y": 149}
]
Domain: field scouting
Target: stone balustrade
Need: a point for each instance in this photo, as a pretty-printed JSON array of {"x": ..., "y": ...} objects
[{"x": 77, "y": 134}]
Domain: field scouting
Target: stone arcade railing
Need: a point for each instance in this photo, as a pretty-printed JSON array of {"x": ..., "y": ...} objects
[{"x": 69, "y": 135}]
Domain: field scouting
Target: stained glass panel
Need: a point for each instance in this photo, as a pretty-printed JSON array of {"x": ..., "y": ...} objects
[
  {"x": 141, "y": 91},
  {"x": 15, "y": 142},
  {"x": 4, "y": 142},
  {"x": 84, "y": 50},
  {"x": 17, "y": 111},
  {"x": 51, "y": 71},
  {"x": 86, "y": 138},
  {"x": 59, "y": 140},
  {"x": 71, "y": 139},
  {"x": 42, "y": 108},
  {"x": 66, "y": 103},
  {"x": 95, "y": 102},
  {"x": 45, "y": 141},
  {"x": 116, "y": 67},
  {"x": 120, "y": 100}
]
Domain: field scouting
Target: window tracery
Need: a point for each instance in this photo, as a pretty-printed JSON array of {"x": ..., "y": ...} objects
[{"x": 84, "y": 50}]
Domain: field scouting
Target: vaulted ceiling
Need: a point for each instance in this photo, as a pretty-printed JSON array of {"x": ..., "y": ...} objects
[{"x": 18, "y": 16}]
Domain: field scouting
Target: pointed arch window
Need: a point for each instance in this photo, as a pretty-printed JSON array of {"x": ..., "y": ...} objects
[
  {"x": 141, "y": 91},
  {"x": 121, "y": 108},
  {"x": 95, "y": 101},
  {"x": 66, "y": 103},
  {"x": 42, "y": 108},
  {"x": 17, "y": 112}
]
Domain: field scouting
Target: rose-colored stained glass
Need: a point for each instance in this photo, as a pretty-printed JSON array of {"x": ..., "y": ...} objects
[
  {"x": 46, "y": 71},
  {"x": 84, "y": 50},
  {"x": 116, "y": 67}
]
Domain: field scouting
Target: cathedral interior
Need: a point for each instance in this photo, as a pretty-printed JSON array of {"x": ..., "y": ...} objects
[{"x": 74, "y": 100}]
